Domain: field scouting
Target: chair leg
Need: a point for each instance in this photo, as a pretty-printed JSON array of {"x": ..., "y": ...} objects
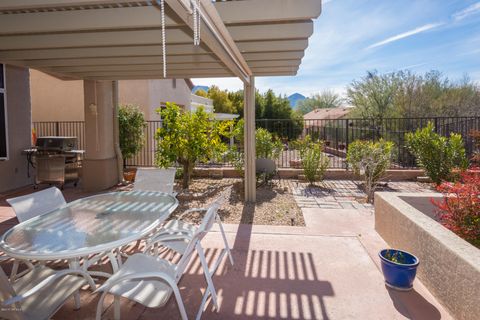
[
  {"x": 13, "y": 275},
  {"x": 222, "y": 231},
  {"x": 76, "y": 298},
  {"x": 181, "y": 306},
  {"x": 208, "y": 278},
  {"x": 98, "y": 315},
  {"x": 116, "y": 308}
]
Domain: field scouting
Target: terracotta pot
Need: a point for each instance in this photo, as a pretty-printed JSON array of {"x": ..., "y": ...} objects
[{"x": 129, "y": 175}]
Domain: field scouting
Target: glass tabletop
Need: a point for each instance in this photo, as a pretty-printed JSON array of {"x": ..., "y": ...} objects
[{"x": 89, "y": 225}]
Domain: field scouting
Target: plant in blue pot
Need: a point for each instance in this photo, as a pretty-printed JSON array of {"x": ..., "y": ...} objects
[{"x": 399, "y": 268}]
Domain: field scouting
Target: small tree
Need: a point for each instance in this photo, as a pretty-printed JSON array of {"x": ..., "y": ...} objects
[
  {"x": 266, "y": 145},
  {"x": 131, "y": 123},
  {"x": 314, "y": 161},
  {"x": 370, "y": 160},
  {"x": 438, "y": 155},
  {"x": 187, "y": 138}
]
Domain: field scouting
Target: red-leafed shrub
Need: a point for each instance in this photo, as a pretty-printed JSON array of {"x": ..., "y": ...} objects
[{"x": 459, "y": 211}]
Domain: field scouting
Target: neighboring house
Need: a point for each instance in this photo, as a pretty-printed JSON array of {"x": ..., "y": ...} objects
[
  {"x": 317, "y": 120},
  {"x": 66, "y": 97},
  {"x": 327, "y": 113}
]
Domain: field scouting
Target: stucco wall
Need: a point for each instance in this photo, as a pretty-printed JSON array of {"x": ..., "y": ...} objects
[
  {"x": 54, "y": 99},
  {"x": 13, "y": 172},
  {"x": 449, "y": 266},
  {"x": 151, "y": 94},
  {"x": 57, "y": 100}
]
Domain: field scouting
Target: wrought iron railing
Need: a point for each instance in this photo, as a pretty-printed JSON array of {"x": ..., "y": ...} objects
[{"x": 337, "y": 134}]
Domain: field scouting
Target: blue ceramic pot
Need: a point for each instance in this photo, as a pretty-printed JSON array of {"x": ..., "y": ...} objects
[{"x": 399, "y": 275}]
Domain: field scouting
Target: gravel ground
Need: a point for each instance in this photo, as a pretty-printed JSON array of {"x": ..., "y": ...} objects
[{"x": 275, "y": 204}]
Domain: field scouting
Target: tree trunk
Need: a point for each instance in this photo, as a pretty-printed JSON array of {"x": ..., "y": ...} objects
[{"x": 187, "y": 173}]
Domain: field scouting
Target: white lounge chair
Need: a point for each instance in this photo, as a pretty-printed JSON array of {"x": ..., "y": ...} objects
[
  {"x": 37, "y": 203},
  {"x": 154, "y": 179},
  {"x": 151, "y": 281},
  {"x": 32, "y": 205},
  {"x": 179, "y": 226},
  {"x": 40, "y": 293}
]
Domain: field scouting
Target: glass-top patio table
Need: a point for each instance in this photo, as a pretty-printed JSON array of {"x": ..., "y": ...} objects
[{"x": 95, "y": 225}]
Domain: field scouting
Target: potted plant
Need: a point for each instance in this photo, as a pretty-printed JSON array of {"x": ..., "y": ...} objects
[
  {"x": 399, "y": 268},
  {"x": 131, "y": 123}
]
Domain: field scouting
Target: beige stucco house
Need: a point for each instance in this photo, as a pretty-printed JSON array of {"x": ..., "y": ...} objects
[{"x": 54, "y": 99}]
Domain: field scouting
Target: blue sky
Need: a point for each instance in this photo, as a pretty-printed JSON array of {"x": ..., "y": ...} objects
[{"x": 353, "y": 36}]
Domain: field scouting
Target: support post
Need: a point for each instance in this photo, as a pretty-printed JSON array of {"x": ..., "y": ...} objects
[
  {"x": 100, "y": 170},
  {"x": 249, "y": 141}
]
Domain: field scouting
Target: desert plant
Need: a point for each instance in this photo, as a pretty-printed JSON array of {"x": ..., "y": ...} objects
[
  {"x": 187, "y": 138},
  {"x": 436, "y": 154},
  {"x": 314, "y": 162},
  {"x": 475, "y": 134},
  {"x": 370, "y": 160},
  {"x": 131, "y": 121},
  {"x": 459, "y": 210},
  {"x": 267, "y": 146}
]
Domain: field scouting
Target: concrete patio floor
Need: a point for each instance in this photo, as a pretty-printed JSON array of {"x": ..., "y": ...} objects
[{"x": 326, "y": 270}]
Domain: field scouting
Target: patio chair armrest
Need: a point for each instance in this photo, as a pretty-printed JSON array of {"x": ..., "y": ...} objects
[
  {"x": 180, "y": 217},
  {"x": 165, "y": 238},
  {"x": 138, "y": 276},
  {"x": 48, "y": 281}
]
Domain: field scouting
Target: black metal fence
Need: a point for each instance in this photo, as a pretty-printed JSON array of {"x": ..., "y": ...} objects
[{"x": 337, "y": 134}]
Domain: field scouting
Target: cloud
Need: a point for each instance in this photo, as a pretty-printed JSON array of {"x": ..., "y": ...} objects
[
  {"x": 404, "y": 35},
  {"x": 465, "y": 13}
]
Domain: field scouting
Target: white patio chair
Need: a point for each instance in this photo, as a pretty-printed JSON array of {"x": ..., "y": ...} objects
[
  {"x": 154, "y": 179},
  {"x": 151, "y": 280},
  {"x": 40, "y": 293},
  {"x": 179, "y": 226},
  {"x": 32, "y": 205},
  {"x": 37, "y": 203}
]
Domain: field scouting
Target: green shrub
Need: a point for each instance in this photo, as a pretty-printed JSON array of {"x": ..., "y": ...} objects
[
  {"x": 266, "y": 145},
  {"x": 188, "y": 138},
  {"x": 131, "y": 123},
  {"x": 436, "y": 154},
  {"x": 370, "y": 160},
  {"x": 314, "y": 162}
]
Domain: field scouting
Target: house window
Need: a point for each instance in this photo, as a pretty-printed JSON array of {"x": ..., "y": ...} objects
[{"x": 3, "y": 116}]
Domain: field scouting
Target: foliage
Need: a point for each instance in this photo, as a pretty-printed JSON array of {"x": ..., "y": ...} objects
[
  {"x": 201, "y": 93},
  {"x": 406, "y": 94},
  {"x": 287, "y": 124},
  {"x": 438, "y": 155},
  {"x": 221, "y": 102},
  {"x": 475, "y": 134},
  {"x": 131, "y": 123},
  {"x": 314, "y": 161},
  {"x": 370, "y": 160},
  {"x": 187, "y": 138},
  {"x": 459, "y": 211},
  {"x": 266, "y": 145},
  {"x": 324, "y": 99},
  {"x": 395, "y": 256}
]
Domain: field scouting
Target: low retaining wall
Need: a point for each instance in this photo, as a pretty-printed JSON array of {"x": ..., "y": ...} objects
[
  {"x": 332, "y": 174},
  {"x": 449, "y": 266}
]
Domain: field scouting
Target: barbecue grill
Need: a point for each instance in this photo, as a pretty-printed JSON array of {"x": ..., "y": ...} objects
[{"x": 56, "y": 160}]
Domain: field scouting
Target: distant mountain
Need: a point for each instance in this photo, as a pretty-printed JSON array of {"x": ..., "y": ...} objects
[
  {"x": 196, "y": 88},
  {"x": 295, "y": 99}
]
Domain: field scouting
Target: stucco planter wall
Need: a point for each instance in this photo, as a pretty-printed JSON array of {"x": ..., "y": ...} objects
[{"x": 449, "y": 266}]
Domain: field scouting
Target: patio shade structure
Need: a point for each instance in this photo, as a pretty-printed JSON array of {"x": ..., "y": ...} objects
[{"x": 101, "y": 41}]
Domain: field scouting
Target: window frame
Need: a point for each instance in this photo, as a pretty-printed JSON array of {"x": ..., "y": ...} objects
[{"x": 4, "y": 91}]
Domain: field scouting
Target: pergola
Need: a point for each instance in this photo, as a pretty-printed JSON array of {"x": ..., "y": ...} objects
[{"x": 105, "y": 40}]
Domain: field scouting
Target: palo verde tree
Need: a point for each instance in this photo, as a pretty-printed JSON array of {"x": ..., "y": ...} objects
[
  {"x": 187, "y": 138},
  {"x": 131, "y": 122}
]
